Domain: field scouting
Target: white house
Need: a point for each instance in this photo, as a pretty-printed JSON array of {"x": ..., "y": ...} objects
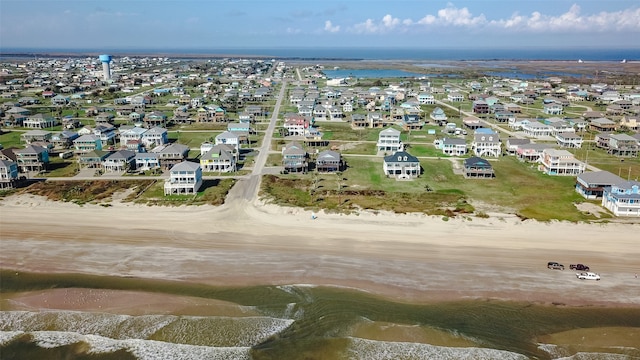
[
  {"x": 623, "y": 199},
  {"x": 389, "y": 140},
  {"x": 228, "y": 138},
  {"x": 185, "y": 178},
  {"x": 486, "y": 144},
  {"x": 401, "y": 165},
  {"x": 453, "y": 146}
]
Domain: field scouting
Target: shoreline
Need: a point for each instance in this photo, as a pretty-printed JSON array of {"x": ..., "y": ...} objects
[{"x": 408, "y": 258}]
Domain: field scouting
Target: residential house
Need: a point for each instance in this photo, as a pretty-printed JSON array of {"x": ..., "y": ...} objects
[
  {"x": 623, "y": 145},
  {"x": 107, "y": 134},
  {"x": 560, "y": 162},
  {"x": 630, "y": 122},
  {"x": 171, "y": 154},
  {"x": 294, "y": 158},
  {"x": 453, "y": 146},
  {"x": 504, "y": 116},
  {"x": 536, "y": 129},
  {"x": 438, "y": 115},
  {"x": 60, "y": 100},
  {"x": 155, "y": 118},
  {"x": 8, "y": 174},
  {"x": 359, "y": 121},
  {"x": 39, "y": 121},
  {"x": 185, "y": 178},
  {"x": 455, "y": 97},
  {"x": 220, "y": 158},
  {"x": 156, "y": 136},
  {"x": 591, "y": 184},
  {"x": 131, "y": 139},
  {"x": 475, "y": 167},
  {"x": 552, "y": 108},
  {"x": 389, "y": 141},
  {"x": 569, "y": 140},
  {"x": 512, "y": 144},
  {"x": 622, "y": 199},
  {"x": 87, "y": 143},
  {"x": 486, "y": 143},
  {"x": 513, "y": 108},
  {"x": 296, "y": 124},
  {"x": 602, "y": 140},
  {"x": 228, "y": 138},
  {"x": 401, "y": 165},
  {"x": 33, "y": 136},
  {"x": 480, "y": 107},
  {"x": 426, "y": 99},
  {"x": 602, "y": 124},
  {"x": 375, "y": 119},
  {"x": 119, "y": 161},
  {"x": 329, "y": 161},
  {"x": 146, "y": 161},
  {"x": 63, "y": 139},
  {"x": 32, "y": 158}
]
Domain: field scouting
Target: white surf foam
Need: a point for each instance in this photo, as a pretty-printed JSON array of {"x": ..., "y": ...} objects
[{"x": 387, "y": 350}]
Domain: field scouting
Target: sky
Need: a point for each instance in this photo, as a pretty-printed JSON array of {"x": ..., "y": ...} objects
[{"x": 217, "y": 24}]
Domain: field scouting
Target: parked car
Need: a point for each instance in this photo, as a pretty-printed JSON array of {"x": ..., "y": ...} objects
[
  {"x": 580, "y": 267},
  {"x": 555, "y": 265},
  {"x": 588, "y": 276}
]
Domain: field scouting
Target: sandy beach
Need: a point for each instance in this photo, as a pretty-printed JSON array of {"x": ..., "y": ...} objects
[{"x": 411, "y": 257}]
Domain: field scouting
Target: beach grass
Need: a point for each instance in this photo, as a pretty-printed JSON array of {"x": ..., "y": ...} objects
[
  {"x": 518, "y": 188},
  {"x": 82, "y": 192}
]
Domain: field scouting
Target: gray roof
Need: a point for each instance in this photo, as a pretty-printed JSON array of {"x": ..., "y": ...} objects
[
  {"x": 600, "y": 178},
  {"x": 401, "y": 157},
  {"x": 454, "y": 141},
  {"x": 186, "y": 166}
]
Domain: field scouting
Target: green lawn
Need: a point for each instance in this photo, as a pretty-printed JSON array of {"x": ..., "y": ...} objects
[
  {"x": 192, "y": 139},
  {"x": 11, "y": 139}
]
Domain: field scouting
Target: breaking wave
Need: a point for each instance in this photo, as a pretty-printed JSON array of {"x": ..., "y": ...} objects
[
  {"x": 141, "y": 349},
  {"x": 189, "y": 330},
  {"x": 387, "y": 350}
]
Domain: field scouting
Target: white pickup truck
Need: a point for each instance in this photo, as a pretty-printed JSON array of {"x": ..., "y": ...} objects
[{"x": 588, "y": 276}]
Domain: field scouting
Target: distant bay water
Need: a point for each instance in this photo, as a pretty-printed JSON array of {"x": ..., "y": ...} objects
[{"x": 355, "y": 53}]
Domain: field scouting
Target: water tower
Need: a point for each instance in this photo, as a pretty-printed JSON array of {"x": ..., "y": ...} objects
[{"x": 106, "y": 70}]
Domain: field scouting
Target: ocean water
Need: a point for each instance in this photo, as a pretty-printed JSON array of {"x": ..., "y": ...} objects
[
  {"x": 299, "y": 321},
  {"x": 370, "y": 53}
]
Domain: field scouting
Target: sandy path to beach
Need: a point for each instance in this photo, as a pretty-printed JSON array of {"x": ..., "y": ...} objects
[{"x": 406, "y": 257}]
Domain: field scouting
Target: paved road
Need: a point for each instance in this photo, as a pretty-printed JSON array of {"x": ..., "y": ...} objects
[{"x": 247, "y": 188}]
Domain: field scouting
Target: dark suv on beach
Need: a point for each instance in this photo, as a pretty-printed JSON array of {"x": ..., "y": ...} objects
[
  {"x": 580, "y": 267},
  {"x": 555, "y": 266}
]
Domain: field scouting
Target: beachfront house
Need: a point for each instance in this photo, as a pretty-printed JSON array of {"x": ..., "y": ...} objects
[
  {"x": 185, "y": 178},
  {"x": 8, "y": 174},
  {"x": 146, "y": 161},
  {"x": 402, "y": 166},
  {"x": 329, "y": 161},
  {"x": 591, "y": 184},
  {"x": 560, "y": 162},
  {"x": 32, "y": 158},
  {"x": 119, "y": 161},
  {"x": 622, "y": 199},
  {"x": 477, "y": 168},
  {"x": 294, "y": 158}
]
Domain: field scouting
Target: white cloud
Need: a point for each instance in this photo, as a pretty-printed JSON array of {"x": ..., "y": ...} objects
[
  {"x": 328, "y": 26},
  {"x": 537, "y": 22}
]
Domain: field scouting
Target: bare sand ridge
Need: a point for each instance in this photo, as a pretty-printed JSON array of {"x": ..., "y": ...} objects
[{"x": 412, "y": 257}]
